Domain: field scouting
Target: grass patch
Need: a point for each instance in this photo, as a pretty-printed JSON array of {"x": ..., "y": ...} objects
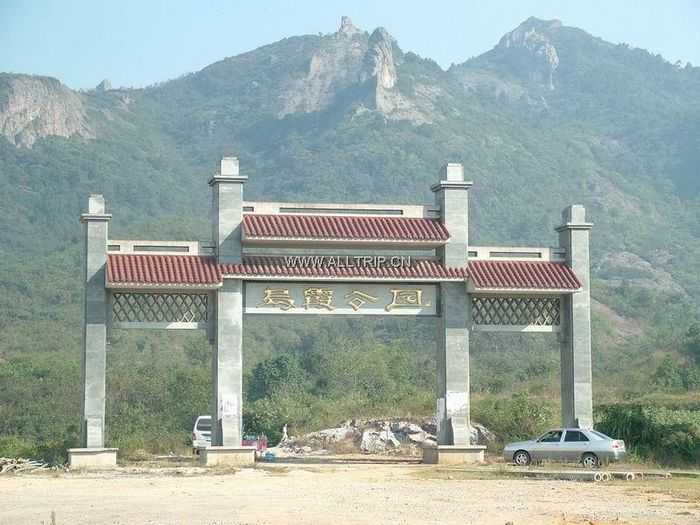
[
  {"x": 273, "y": 470},
  {"x": 442, "y": 473},
  {"x": 682, "y": 489}
]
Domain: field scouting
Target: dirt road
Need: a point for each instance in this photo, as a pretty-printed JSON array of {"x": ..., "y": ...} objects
[{"x": 343, "y": 494}]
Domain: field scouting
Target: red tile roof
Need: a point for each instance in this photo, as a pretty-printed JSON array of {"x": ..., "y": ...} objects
[
  {"x": 188, "y": 270},
  {"x": 203, "y": 270},
  {"x": 331, "y": 227},
  {"x": 162, "y": 269},
  {"x": 522, "y": 275}
]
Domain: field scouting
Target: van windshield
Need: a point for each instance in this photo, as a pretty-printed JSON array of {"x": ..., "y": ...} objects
[{"x": 204, "y": 424}]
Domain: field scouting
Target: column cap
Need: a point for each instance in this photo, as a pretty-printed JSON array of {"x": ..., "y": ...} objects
[
  {"x": 96, "y": 209},
  {"x": 574, "y": 218},
  {"x": 452, "y": 176},
  {"x": 229, "y": 172}
]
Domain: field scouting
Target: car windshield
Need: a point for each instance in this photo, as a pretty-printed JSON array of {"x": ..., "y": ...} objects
[{"x": 599, "y": 435}]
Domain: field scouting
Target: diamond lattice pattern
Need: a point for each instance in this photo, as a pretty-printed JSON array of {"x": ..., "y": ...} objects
[
  {"x": 159, "y": 308},
  {"x": 516, "y": 310}
]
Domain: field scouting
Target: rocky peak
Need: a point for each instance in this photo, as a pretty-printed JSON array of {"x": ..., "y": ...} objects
[
  {"x": 334, "y": 66},
  {"x": 351, "y": 61},
  {"x": 536, "y": 24},
  {"x": 380, "y": 76},
  {"x": 33, "y": 107},
  {"x": 531, "y": 38},
  {"x": 347, "y": 28},
  {"x": 103, "y": 86},
  {"x": 379, "y": 60}
]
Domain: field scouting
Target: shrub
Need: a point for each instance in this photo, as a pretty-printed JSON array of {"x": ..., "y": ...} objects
[
  {"x": 661, "y": 434},
  {"x": 519, "y": 417},
  {"x": 672, "y": 375},
  {"x": 16, "y": 447}
]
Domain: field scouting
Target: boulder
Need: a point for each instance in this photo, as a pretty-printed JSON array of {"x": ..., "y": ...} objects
[
  {"x": 480, "y": 435},
  {"x": 375, "y": 441}
]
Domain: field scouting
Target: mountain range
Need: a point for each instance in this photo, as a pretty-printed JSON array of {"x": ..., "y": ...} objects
[{"x": 549, "y": 117}]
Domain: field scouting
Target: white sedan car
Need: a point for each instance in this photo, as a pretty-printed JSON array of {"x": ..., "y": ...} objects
[{"x": 586, "y": 446}]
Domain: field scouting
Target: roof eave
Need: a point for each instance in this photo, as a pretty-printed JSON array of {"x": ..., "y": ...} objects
[
  {"x": 471, "y": 288},
  {"x": 356, "y": 278},
  {"x": 338, "y": 241},
  {"x": 111, "y": 285}
]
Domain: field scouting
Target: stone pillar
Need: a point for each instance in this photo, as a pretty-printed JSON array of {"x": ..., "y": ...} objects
[
  {"x": 451, "y": 194},
  {"x": 453, "y": 366},
  {"x": 227, "y": 364},
  {"x": 92, "y": 422},
  {"x": 93, "y": 357},
  {"x": 575, "y": 337},
  {"x": 227, "y": 209}
]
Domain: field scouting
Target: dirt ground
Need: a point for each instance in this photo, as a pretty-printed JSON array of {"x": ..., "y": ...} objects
[{"x": 335, "y": 493}]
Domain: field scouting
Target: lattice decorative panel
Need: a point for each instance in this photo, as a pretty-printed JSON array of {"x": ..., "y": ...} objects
[
  {"x": 159, "y": 308},
  {"x": 516, "y": 310}
]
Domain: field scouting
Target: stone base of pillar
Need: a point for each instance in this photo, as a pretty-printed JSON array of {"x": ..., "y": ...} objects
[
  {"x": 227, "y": 456},
  {"x": 92, "y": 457},
  {"x": 453, "y": 454}
]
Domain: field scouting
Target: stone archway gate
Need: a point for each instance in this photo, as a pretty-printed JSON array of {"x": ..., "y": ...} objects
[{"x": 298, "y": 258}]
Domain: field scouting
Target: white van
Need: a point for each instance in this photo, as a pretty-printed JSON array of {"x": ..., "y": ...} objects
[{"x": 201, "y": 433}]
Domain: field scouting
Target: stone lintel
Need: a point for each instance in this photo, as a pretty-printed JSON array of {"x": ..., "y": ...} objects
[
  {"x": 227, "y": 456},
  {"x": 92, "y": 457},
  {"x": 453, "y": 454}
]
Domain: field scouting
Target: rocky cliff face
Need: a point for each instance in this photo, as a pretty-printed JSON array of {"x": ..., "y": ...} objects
[
  {"x": 541, "y": 58},
  {"x": 379, "y": 60},
  {"x": 333, "y": 68},
  {"x": 33, "y": 107},
  {"x": 351, "y": 59}
]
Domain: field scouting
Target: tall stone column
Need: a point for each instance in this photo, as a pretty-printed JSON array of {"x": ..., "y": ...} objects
[
  {"x": 575, "y": 337},
  {"x": 94, "y": 324},
  {"x": 227, "y": 209},
  {"x": 451, "y": 194},
  {"x": 227, "y": 364},
  {"x": 453, "y": 366}
]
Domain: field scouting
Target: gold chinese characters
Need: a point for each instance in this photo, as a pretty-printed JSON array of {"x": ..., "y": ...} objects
[
  {"x": 316, "y": 297},
  {"x": 403, "y": 298},
  {"x": 278, "y": 297},
  {"x": 359, "y": 299}
]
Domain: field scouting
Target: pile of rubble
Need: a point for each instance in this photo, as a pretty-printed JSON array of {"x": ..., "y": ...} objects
[
  {"x": 374, "y": 436},
  {"x": 13, "y": 465}
]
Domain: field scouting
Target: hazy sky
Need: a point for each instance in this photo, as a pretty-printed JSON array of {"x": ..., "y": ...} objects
[{"x": 139, "y": 42}]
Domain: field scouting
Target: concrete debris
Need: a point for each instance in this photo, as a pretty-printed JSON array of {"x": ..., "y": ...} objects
[
  {"x": 481, "y": 435},
  {"x": 377, "y": 441},
  {"x": 373, "y": 436},
  {"x": 14, "y": 465}
]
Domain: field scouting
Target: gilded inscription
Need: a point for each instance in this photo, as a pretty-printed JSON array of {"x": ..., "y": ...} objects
[
  {"x": 357, "y": 299},
  {"x": 278, "y": 297},
  {"x": 318, "y": 298},
  {"x": 405, "y": 298}
]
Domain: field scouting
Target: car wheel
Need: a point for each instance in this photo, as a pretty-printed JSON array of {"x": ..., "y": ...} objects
[
  {"x": 590, "y": 460},
  {"x": 521, "y": 458}
]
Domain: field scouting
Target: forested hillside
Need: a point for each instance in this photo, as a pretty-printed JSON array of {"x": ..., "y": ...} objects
[{"x": 549, "y": 117}]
